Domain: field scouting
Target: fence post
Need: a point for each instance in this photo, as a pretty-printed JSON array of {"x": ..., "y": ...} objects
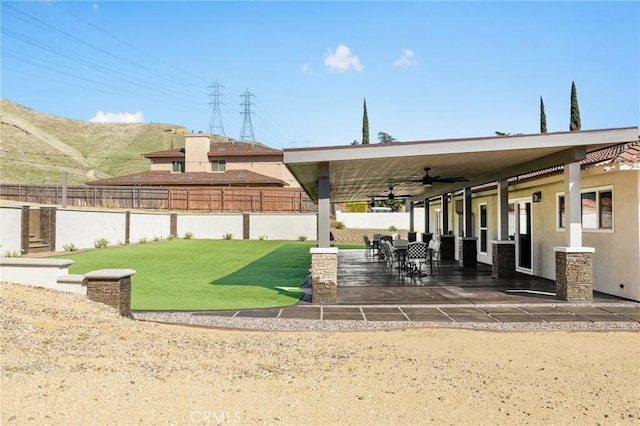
[
  {"x": 222, "y": 199},
  {"x": 188, "y": 199},
  {"x": 261, "y": 201}
]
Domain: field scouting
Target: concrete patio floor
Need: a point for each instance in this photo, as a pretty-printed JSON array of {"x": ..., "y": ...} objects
[{"x": 368, "y": 291}]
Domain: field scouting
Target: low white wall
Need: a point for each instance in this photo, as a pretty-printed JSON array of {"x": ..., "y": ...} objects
[
  {"x": 83, "y": 227},
  {"x": 382, "y": 220},
  {"x": 10, "y": 232},
  {"x": 283, "y": 226},
  {"x": 148, "y": 226},
  {"x": 210, "y": 226},
  {"x": 39, "y": 273}
]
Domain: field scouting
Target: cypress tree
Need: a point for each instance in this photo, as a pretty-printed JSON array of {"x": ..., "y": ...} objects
[
  {"x": 543, "y": 117},
  {"x": 574, "y": 125},
  {"x": 365, "y": 125}
]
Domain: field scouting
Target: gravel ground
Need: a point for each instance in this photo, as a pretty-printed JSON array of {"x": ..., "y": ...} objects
[{"x": 69, "y": 361}]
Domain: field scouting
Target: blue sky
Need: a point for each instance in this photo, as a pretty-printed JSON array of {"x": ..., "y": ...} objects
[{"x": 428, "y": 70}]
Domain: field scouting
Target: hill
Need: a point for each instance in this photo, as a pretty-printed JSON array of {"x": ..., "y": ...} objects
[{"x": 37, "y": 148}]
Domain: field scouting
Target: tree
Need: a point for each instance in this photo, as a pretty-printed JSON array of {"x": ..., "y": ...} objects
[
  {"x": 355, "y": 142},
  {"x": 574, "y": 125},
  {"x": 385, "y": 137},
  {"x": 365, "y": 125},
  {"x": 543, "y": 117}
]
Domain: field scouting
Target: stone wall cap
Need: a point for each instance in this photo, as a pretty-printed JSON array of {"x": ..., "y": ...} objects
[
  {"x": 34, "y": 262},
  {"x": 109, "y": 274},
  {"x": 574, "y": 249},
  {"x": 324, "y": 250},
  {"x": 506, "y": 242}
]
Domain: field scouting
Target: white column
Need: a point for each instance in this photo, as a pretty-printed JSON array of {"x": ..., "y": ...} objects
[
  {"x": 572, "y": 205},
  {"x": 503, "y": 209},
  {"x": 323, "y": 205}
]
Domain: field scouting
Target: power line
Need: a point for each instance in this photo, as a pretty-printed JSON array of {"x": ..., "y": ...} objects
[
  {"x": 247, "y": 127},
  {"x": 215, "y": 123}
]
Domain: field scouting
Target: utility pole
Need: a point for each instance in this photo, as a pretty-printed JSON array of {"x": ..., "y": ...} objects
[
  {"x": 246, "y": 134},
  {"x": 215, "y": 123}
]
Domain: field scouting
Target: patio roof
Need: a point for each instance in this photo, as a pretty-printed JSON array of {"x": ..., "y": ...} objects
[{"x": 359, "y": 172}]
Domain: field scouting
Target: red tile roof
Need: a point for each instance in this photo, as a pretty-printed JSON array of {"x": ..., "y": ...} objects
[
  {"x": 221, "y": 149},
  {"x": 165, "y": 178}
]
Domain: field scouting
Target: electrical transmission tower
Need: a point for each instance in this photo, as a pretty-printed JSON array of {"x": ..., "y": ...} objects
[
  {"x": 215, "y": 123},
  {"x": 246, "y": 134}
]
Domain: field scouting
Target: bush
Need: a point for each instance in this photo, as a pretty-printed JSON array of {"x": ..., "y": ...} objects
[
  {"x": 69, "y": 247},
  {"x": 263, "y": 237},
  {"x": 156, "y": 238},
  {"x": 14, "y": 253},
  {"x": 338, "y": 225},
  {"x": 302, "y": 238},
  {"x": 142, "y": 240},
  {"x": 393, "y": 228},
  {"x": 228, "y": 236},
  {"x": 101, "y": 243},
  {"x": 188, "y": 235}
]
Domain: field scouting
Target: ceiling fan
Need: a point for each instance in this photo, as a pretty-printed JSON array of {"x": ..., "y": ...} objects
[
  {"x": 428, "y": 180},
  {"x": 391, "y": 196}
]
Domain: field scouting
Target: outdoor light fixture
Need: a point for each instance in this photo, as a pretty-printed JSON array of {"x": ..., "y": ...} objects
[{"x": 537, "y": 196}]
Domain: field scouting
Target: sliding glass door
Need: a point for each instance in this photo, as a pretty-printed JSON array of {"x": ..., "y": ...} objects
[{"x": 520, "y": 231}]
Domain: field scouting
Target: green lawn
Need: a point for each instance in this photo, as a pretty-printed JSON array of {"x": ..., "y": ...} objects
[{"x": 206, "y": 274}]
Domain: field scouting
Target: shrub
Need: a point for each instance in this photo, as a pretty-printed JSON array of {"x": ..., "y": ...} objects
[
  {"x": 393, "y": 228},
  {"x": 263, "y": 237},
  {"x": 228, "y": 236},
  {"x": 142, "y": 240},
  {"x": 101, "y": 243},
  {"x": 357, "y": 206},
  {"x": 69, "y": 247},
  {"x": 302, "y": 238},
  {"x": 13, "y": 253},
  {"x": 171, "y": 237},
  {"x": 188, "y": 235},
  {"x": 338, "y": 225},
  {"x": 156, "y": 238}
]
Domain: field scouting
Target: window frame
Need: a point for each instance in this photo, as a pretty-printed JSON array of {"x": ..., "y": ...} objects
[
  {"x": 559, "y": 210},
  {"x": 180, "y": 165},
  {"x": 219, "y": 163},
  {"x": 484, "y": 228}
]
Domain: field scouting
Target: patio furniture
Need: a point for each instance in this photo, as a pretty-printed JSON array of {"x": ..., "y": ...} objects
[
  {"x": 376, "y": 244},
  {"x": 416, "y": 257},
  {"x": 400, "y": 250},
  {"x": 434, "y": 256},
  {"x": 368, "y": 245}
]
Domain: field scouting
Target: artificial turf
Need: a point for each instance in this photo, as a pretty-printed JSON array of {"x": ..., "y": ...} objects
[{"x": 206, "y": 274}]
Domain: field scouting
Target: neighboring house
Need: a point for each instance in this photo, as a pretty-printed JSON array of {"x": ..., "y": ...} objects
[{"x": 203, "y": 163}]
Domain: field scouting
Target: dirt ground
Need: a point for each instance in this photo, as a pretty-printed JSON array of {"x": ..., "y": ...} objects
[{"x": 66, "y": 360}]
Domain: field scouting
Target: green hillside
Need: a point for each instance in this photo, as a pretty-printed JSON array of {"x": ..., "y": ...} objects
[{"x": 37, "y": 148}]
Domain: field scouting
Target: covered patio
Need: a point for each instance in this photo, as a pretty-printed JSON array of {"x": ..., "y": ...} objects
[
  {"x": 364, "y": 279},
  {"x": 358, "y": 172}
]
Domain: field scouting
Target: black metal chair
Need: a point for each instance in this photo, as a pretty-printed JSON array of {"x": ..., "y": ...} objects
[{"x": 416, "y": 257}]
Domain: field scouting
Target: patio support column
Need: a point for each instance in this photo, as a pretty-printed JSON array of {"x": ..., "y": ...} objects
[
  {"x": 411, "y": 215},
  {"x": 468, "y": 256},
  {"x": 324, "y": 259},
  {"x": 447, "y": 246},
  {"x": 323, "y": 205},
  {"x": 503, "y": 251},
  {"x": 574, "y": 263},
  {"x": 428, "y": 235}
]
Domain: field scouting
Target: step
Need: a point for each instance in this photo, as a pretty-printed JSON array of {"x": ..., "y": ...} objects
[{"x": 39, "y": 248}]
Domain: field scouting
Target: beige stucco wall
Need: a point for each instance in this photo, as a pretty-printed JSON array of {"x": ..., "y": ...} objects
[
  {"x": 617, "y": 251},
  {"x": 161, "y": 165},
  {"x": 265, "y": 166},
  {"x": 196, "y": 148}
]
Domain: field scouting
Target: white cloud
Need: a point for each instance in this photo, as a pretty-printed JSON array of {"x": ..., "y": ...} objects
[
  {"x": 342, "y": 60},
  {"x": 118, "y": 117},
  {"x": 407, "y": 59},
  {"x": 95, "y": 7},
  {"x": 305, "y": 68}
]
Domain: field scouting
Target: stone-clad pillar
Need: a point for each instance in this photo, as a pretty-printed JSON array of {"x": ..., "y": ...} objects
[
  {"x": 574, "y": 273},
  {"x": 503, "y": 263},
  {"x": 111, "y": 287},
  {"x": 24, "y": 243},
  {"x": 48, "y": 226},
  {"x": 324, "y": 275}
]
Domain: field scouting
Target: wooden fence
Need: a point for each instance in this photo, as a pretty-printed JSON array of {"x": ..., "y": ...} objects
[{"x": 214, "y": 199}]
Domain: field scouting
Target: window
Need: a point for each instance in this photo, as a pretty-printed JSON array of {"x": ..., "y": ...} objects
[
  {"x": 178, "y": 167},
  {"x": 483, "y": 228},
  {"x": 218, "y": 165},
  {"x": 596, "y": 206}
]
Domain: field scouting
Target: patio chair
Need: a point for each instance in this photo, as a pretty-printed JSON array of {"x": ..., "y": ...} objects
[
  {"x": 416, "y": 257},
  {"x": 368, "y": 245},
  {"x": 435, "y": 255}
]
